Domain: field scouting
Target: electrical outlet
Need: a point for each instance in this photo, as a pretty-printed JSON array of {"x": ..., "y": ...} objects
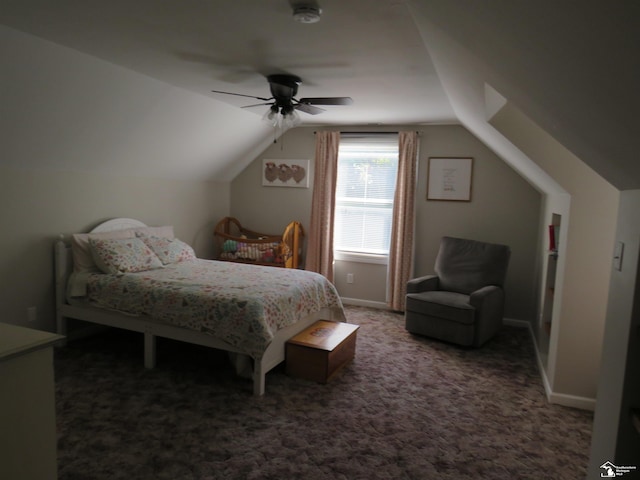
[
  {"x": 32, "y": 314},
  {"x": 349, "y": 277}
]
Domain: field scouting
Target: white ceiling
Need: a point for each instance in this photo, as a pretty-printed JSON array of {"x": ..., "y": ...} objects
[
  {"x": 573, "y": 67},
  {"x": 369, "y": 50}
]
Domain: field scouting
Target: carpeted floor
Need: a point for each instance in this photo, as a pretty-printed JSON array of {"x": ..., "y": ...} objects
[{"x": 407, "y": 408}]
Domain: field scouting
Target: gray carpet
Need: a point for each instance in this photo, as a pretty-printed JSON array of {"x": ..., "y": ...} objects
[{"x": 407, "y": 408}]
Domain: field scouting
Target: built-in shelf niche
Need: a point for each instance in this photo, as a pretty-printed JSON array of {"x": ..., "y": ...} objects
[{"x": 546, "y": 316}]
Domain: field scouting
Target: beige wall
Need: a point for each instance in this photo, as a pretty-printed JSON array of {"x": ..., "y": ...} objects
[
  {"x": 614, "y": 437},
  {"x": 504, "y": 208},
  {"x": 587, "y": 247},
  {"x": 93, "y": 116},
  {"x": 270, "y": 209},
  {"x": 37, "y": 206},
  {"x": 90, "y": 143}
]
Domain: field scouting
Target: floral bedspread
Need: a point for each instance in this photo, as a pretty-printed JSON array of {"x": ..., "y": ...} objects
[{"x": 244, "y": 305}]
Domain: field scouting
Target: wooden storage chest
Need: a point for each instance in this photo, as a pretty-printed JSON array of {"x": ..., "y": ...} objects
[{"x": 320, "y": 351}]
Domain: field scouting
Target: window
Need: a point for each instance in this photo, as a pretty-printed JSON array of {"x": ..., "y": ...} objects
[{"x": 367, "y": 170}]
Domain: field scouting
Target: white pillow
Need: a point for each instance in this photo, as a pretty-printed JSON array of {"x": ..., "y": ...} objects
[
  {"x": 164, "y": 232},
  {"x": 123, "y": 255},
  {"x": 168, "y": 250}
]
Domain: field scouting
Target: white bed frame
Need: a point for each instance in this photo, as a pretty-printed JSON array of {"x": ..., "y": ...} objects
[{"x": 273, "y": 355}]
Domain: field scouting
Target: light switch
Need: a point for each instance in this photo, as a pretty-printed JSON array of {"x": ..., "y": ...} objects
[{"x": 617, "y": 256}]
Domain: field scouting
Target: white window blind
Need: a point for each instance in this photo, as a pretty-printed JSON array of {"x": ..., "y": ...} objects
[{"x": 367, "y": 170}]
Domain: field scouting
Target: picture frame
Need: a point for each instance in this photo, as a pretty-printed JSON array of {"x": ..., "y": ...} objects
[
  {"x": 450, "y": 178},
  {"x": 285, "y": 173}
]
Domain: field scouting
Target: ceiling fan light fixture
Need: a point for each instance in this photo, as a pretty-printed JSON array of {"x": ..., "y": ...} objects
[
  {"x": 306, "y": 13},
  {"x": 290, "y": 119},
  {"x": 271, "y": 116},
  {"x": 286, "y": 110},
  {"x": 284, "y": 117},
  {"x": 283, "y": 106}
]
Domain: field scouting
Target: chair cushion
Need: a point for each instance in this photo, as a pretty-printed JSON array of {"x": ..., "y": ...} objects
[
  {"x": 447, "y": 305},
  {"x": 467, "y": 265}
]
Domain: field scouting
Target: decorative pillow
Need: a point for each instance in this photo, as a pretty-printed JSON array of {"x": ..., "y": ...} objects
[
  {"x": 168, "y": 250},
  {"x": 81, "y": 249},
  {"x": 123, "y": 255},
  {"x": 82, "y": 257}
]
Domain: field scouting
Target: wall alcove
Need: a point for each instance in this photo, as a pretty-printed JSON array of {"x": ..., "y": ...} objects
[{"x": 549, "y": 293}]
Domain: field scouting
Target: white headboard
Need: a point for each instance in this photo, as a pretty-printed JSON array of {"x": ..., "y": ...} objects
[
  {"x": 117, "y": 224},
  {"x": 64, "y": 261}
]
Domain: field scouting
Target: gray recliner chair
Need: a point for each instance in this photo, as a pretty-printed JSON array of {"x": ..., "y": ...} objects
[{"x": 463, "y": 302}]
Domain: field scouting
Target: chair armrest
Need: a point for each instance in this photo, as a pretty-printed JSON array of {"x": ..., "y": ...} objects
[
  {"x": 423, "y": 284},
  {"x": 489, "y": 305},
  {"x": 486, "y": 295}
]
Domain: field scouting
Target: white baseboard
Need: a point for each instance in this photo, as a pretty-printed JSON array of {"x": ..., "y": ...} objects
[
  {"x": 582, "y": 403},
  {"x": 364, "y": 303},
  {"x": 573, "y": 401},
  {"x": 516, "y": 323}
]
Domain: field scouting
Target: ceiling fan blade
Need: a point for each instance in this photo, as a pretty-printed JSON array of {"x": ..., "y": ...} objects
[
  {"x": 327, "y": 101},
  {"x": 310, "y": 109},
  {"x": 241, "y": 95},
  {"x": 257, "y": 105}
]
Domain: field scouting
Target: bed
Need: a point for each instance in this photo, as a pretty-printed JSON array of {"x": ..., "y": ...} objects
[{"x": 159, "y": 288}]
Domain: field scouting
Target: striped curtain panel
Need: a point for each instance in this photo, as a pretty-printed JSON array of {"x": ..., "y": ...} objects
[
  {"x": 402, "y": 231},
  {"x": 320, "y": 236}
]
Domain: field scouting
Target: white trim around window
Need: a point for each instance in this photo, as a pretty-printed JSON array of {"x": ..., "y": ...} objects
[{"x": 345, "y": 256}]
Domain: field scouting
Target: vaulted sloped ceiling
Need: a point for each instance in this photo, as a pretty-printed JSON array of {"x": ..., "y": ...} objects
[
  {"x": 571, "y": 66},
  {"x": 370, "y": 50}
]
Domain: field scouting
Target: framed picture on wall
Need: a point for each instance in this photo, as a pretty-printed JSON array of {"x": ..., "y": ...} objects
[
  {"x": 285, "y": 173},
  {"x": 449, "y": 178}
]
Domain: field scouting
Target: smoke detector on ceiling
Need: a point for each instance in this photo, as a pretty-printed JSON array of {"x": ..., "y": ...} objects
[{"x": 306, "y": 13}]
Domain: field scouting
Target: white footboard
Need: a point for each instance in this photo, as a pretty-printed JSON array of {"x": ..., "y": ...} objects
[{"x": 275, "y": 352}]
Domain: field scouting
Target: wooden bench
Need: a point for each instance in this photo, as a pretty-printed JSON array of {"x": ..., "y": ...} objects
[{"x": 320, "y": 351}]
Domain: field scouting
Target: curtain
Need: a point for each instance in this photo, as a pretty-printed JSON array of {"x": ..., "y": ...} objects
[
  {"x": 402, "y": 230},
  {"x": 320, "y": 239}
]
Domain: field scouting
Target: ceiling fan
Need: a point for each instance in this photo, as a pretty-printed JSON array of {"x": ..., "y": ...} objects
[{"x": 284, "y": 89}]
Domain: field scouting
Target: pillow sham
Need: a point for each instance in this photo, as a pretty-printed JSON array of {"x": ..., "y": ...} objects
[
  {"x": 123, "y": 255},
  {"x": 168, "y": 250},
  {"x": 81, "y": 250}
]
